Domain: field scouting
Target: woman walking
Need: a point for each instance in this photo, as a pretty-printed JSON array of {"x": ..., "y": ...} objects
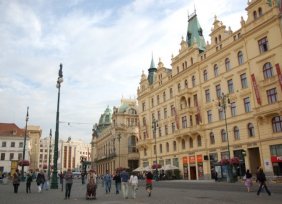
[
  {"x": 117, "y": 180},
  {"x": 248, "y": 180},
  {"x": 40, "y": 179},
  {"x": 262, "y": 179},
  {"x": 149, "y": 182},
  {"x": 68, "y": 178},
  {"x": 16, "y": 181}
]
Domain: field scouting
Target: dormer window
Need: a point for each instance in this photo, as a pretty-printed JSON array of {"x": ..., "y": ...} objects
[
  {"x": 189, "y": 36},
  {"x": 200, "y": 32}
]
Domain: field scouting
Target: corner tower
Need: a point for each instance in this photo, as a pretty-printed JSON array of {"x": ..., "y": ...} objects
[{"x": 195, "y": 33}]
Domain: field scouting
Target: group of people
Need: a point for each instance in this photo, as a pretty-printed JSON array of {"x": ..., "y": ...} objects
[
  {"x": 127, "y": 184},
  {"x": 260, "y": 178}
]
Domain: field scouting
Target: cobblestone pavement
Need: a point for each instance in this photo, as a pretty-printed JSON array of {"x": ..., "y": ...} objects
[{"x": 163, "y": 192}]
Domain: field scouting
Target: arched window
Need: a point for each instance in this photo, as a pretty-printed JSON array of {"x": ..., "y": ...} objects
[
  {"x": 223, "y": 136},
  {"x": 164, "y": 96},
  {"x": 215, "y": 70},
  {"x": 145, "y": 152},
  {"x": 132, "y": 144},
  {"x": 132, "y": 111},
  {"x": 191, "y": 59},
  {"x": 191, "y": 142},
  {"x": 186, "y": 83},
  {"x": 183, "y": 144},
  {"x": 267, "y": 70},
  {"x": 205, "y": 75},
  {"x": 219, "y": 38},
  {"x": 174, "y": 146},
  {"x": 183, "y": 102},
  {"x": 199, "y": 140},
  {"x": 212, "y": 139},
  {"x": 144, "y": 121},
  {"x": 193, "y": 81},
  {"x": 260, "y": 12},
  {"x": 179, "y": 86},
  {"x": 236, "y": 133},
  {"x": 167, "y": 147},
  {"x": 255, "y": 15},
  {"x": 277, "y": 124},
  {"x": 161, "y": 148},
  {"x": 240, "y": 57},
  {"x": 227, "y": 64},
  {"x": 215, "y": 40},
  {"x": 251, "y": 130}
]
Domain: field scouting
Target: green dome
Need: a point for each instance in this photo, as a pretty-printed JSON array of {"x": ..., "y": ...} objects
[
  {"x": 106, "y": 117},
  {"x": 123, "y": 108}
]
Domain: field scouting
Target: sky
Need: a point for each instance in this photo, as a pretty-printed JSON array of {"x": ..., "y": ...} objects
[{"x": 103, "y": 45}]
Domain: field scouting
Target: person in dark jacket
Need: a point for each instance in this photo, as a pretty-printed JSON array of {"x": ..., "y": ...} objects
[
  {"x": 117, "y": 180},
  {"x": 28, "y": 182},
  {"x": 40, "y": 179},
  {"x": 262, "y": 179},
  {"x": 149, "y": 182}
]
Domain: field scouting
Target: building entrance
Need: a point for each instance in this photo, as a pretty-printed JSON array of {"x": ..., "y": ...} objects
[
  {"x": 193, "y": 173},
  {"x": 254, "y": 159}
]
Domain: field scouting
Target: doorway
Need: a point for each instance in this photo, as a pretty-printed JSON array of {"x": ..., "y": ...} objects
[
  {"x": 254, "y": 159},
  {"x": 193, "y": 173}
]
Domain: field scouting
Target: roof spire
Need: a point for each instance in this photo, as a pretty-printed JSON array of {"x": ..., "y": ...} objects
[{"x": 152, "y": 62}]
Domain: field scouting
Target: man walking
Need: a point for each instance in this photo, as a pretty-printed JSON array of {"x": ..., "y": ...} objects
[
  {"x": 68, "y": 178},
  {"x": 107, "y": 181},
  {"x": 124, "y": 183}
]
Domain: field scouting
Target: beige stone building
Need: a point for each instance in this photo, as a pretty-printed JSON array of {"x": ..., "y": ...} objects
[
  {"x": 219, "y": 100},
  {"x": 115, "y": 137}
]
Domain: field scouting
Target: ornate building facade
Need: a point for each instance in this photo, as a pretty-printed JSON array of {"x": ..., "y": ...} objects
[
  {"x": 115, "y": 137},
  {"x": 220, "y": 100}
]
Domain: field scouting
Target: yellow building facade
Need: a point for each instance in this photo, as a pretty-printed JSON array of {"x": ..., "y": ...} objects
[{"x": 219, "y": 100}]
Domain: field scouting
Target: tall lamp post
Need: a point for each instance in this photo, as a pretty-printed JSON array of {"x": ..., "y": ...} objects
[
  {"x": 54, "y": 182},
  {"x": 222, "y": 104},
  {"x": 26, "y": 119},
  {"x": 50, "y": 137},
  {"x": 155, "y": 125},
  {"x": 119, "y": 137}
]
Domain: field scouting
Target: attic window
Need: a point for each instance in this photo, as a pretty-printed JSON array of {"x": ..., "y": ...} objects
[
  {"x": 189, "y": 36},
  {"x": 200, "y": 31}
]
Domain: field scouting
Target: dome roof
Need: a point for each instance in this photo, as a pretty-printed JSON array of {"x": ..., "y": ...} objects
[
  {"x": 106, "y": 117},
  {"x": 123, "y": 108}
]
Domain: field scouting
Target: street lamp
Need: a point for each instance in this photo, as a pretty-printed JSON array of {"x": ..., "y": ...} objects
[
  {"x": 26, "y": 119},
  {"x": 119, "y": 137},
  {"x": 155, "y": 125},
  {"x": 223, "y": 101},
  {"x": 50, "y": 137},
  {"x": 54, "y": 182}
]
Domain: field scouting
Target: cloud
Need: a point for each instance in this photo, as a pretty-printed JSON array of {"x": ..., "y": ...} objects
[{"x": 103, "y": 45}]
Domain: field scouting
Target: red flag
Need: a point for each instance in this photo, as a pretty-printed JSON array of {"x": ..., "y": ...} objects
[
  {"x": 255, "y": 86},
  {"x": 279, "y": 73}
]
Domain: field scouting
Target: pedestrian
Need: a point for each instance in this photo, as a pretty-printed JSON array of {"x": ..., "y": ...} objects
[
  {"x": 149, "y": 183},
  {"x": 107, "y": 178},
  {"x": 16, "y": 180},
  {"x": 82, "y": 177},
  {"x": 46, "y": 183},
  {"x": 91, "y": 185},
  {"x": 69, "y": 180},
  {"x": 262, "y": 179},
  {"x": 133, "y": 181},
  {"x": 124, "y": 183},
  {"x": 117, "y": 180},
  {"x": 28, "y": 182},
  {"x": 61, "y": 175},
  {"x": 40, "y": 179},
  {"x": 248, "y": 180}
]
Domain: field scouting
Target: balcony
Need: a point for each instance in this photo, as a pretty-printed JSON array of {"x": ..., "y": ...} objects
[{"x": 269, "y": 109}]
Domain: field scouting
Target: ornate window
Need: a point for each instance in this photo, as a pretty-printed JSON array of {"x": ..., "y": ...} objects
[
  {"x": 277, "y": 124},
  {"x": 212, "y": 139},
  {"x": 215, "y": 70},
  {"x": 267, "y": 70},
  {"x": 240, "y": 57},
  {"x": 223, "y": 136},
  {"x": 227, "y": 64},
  {"x": 167, "y": 147},
  {"x": 251, "y": 130},
  {"x": 199, "y": 140},
  {"x": 236, "y": 133},
  {"x": 183, "y": 144},
  {"x": 174, "y": 146},
  {"x": 205, "y": 74},
  {"x": 263, "y": 45},
  {"x": 191, "y": 142},
  {"x": 271, "y": 95}
]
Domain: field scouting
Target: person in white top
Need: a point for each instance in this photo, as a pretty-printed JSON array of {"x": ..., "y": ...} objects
[{"x": 133, "y": 182}]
